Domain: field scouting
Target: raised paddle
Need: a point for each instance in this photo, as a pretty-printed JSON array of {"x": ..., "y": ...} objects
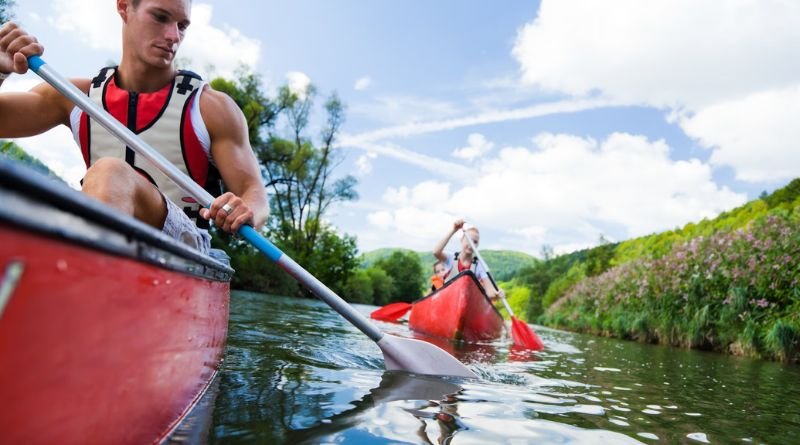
[
  {"x": 402, "y": 354},
  {"x": 522, "y": 334},
  {"x": 391, "y": 312}
]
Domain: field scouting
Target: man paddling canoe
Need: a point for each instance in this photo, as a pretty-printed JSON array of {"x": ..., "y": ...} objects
[
  {"x": 201, "y": 131},
  {"x": 464, "y": 259}
]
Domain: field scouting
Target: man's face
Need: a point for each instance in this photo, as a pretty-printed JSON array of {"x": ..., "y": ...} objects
[
  {"x": 439, "y": 270},
  {"x": 155, "y": 28},
  {"x": 475, "y": 237}
]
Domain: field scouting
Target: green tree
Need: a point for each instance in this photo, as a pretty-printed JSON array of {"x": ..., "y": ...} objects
[
  {"x": 359, "y": 288},
  {"x": 333, "y": 258},
  {"x": 299, "y": 174},
  {"x": 598, "y": 259},
  {"x": 407, "y": 274},
  {"x": 382, "y": 285}
]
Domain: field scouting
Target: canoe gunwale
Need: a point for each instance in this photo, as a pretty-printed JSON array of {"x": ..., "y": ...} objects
[
  {"x": 453, "y": 280},
  {"x": 37, "y": 203}
]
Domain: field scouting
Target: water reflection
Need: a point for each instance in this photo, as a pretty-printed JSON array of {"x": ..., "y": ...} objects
[
  {"x": 427, "y": 399},
  {"x": 297, "y": 373}
]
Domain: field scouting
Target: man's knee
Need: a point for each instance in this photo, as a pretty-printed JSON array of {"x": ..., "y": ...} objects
[
  {"x": 108, "y": 179},
  {"x": 108, "y": 169}
]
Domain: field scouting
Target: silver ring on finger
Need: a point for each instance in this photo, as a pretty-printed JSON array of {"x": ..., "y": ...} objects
[{"x": 227, "y": 209}]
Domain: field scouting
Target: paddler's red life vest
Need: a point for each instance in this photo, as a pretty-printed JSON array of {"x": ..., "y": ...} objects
[
  {"x": 461, "y": 268},
  {"x": 163, "y": 120}
]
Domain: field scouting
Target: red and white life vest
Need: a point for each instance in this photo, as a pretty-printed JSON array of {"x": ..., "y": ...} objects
[
  {"x": 461, "y": 268},
  {"x": 163, "y": 120}
]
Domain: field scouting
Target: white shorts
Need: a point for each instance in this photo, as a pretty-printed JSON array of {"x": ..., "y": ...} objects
[{"x": 177, "y": 225}]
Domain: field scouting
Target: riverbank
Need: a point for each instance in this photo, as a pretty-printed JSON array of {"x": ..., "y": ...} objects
[{"x": 734, "y": 291}]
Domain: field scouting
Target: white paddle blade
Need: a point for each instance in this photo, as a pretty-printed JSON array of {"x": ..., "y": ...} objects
[{"x": 419, "y": 357}]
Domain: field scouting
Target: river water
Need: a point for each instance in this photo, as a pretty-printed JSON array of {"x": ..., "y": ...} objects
[{"x": 296, "y": 372}]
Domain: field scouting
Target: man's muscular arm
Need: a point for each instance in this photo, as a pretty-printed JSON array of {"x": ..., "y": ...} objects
[{"x": 237, "y": 164}]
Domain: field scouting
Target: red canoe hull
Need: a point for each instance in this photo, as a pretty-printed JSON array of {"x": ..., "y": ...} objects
[
  {"x": 459, "y": 311},
  {"x": 99, "y": 344},
  {"x": 115, "y": 358}
]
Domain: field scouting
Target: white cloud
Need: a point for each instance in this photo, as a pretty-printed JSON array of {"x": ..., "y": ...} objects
[
  {"x": 486, "y": 117},
  {"x": 362, "y": 83},
  {"x": 58, "y": 151},
  {"x": 364, "y": 163},
  {"x": 425, "y": 194},
  {"x": 298, "y": 83},
  {"x": 205, "y": 45},
  {"x": 726, "y": 69},
  {"x": 477, "y": 146},
  {"x": 404, "y": 108},
  {"x": 224, "y": 49},
  {"x": 440, "y": 167},
  {"x": 757, "y": 135},
  {"x": 105, "y": 32},
  {"x": 565, "y": 191},
  {"x": 671, "y": 53},
  {"x": 55, "y": 148}
]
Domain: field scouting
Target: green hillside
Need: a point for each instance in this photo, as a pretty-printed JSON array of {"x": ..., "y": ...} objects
[
  {"x": 504, "y": 264},
  {"x": 727, "y": 284}
]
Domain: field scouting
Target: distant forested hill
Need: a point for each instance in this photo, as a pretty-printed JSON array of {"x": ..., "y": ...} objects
[{"x": 503, "y": 263}]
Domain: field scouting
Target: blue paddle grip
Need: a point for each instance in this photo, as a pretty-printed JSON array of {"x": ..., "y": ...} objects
[{"x": 260, "y": 243}]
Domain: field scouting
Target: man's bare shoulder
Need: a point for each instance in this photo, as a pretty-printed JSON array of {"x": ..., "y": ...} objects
[{"x": 220, "y": 111}]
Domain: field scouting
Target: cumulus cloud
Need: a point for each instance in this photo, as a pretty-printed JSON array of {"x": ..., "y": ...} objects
[
  {"x": 663, "y": 52},
  {"x": 477, "y": 146},
  {"x": 757, "y": 135},
  {"x": 567, "y": 190},
  {"x": 362, "y": 84},
  {"x": 703, "y": 60},
  {"x": 105, "y": 32},
  {"x": 55, "y": 148},
  {"x": 298, "y": 83},
  {"x": 425, "y": 194},
  {"x": 223, "y": 48}
]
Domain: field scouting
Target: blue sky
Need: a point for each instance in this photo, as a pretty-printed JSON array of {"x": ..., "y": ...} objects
[{"x": 541, "y": 123}]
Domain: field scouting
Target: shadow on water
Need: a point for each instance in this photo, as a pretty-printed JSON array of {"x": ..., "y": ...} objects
[{"x": 295, "y": 372}]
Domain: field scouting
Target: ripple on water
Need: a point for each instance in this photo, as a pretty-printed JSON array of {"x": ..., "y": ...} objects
[{"x": 296, "y": 372}]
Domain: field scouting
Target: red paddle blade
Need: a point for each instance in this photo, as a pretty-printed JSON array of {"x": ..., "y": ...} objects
[
  {"x": 524, "y": 336},
  {"x": 391, "y": 312}
]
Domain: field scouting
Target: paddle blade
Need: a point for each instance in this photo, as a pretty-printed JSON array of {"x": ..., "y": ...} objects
[
  {"x": 391, "y": 312},
  {"x": 419, "y": 357},
  {"x": 524, "y": 336}
]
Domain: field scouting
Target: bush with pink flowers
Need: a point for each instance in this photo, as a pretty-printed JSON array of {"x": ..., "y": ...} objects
[{"x": 736, "y": 291}]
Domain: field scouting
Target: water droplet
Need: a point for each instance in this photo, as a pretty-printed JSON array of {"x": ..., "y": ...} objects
[{"x": 61, "y": 265}]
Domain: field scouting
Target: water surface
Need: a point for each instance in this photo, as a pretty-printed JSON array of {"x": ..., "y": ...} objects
[{"x": 296, "y": 372}]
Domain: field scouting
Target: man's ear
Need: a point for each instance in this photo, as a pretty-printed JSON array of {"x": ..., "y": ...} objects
[{"x": 122, "y": 9}]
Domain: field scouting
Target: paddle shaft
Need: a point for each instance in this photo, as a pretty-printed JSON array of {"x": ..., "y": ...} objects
[
  {"x": 111, "y": 124},
  {"x": 486, "y": 268}
]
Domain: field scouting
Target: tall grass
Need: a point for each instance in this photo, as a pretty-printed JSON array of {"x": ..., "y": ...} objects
[{"x": 736, "y": 291}]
